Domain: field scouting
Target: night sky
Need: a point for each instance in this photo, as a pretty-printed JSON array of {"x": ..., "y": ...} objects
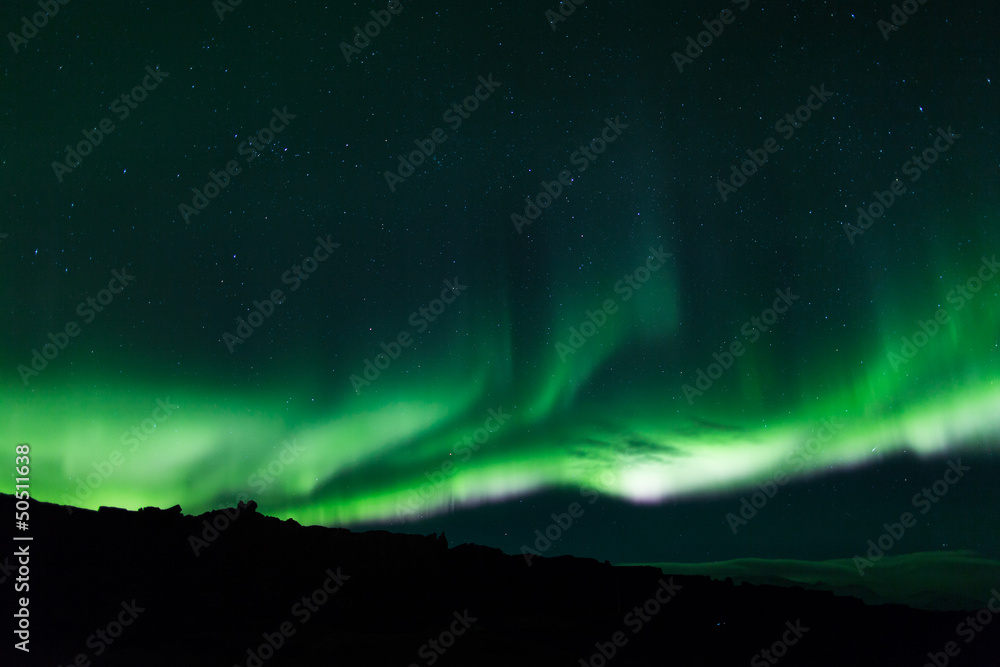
[{"x": 481, "y": 264}]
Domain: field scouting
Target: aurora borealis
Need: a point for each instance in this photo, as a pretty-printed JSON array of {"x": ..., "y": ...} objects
[{"x": 556, "y": 299}]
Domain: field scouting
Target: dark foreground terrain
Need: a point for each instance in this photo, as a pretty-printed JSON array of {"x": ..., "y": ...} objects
[{"x": 156, "y": 587}]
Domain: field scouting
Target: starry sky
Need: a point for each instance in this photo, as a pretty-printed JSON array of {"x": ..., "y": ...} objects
[{"x": 485, "y": 262}]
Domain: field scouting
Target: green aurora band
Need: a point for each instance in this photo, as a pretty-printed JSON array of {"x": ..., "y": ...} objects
[{"x": 366, "y": 459}]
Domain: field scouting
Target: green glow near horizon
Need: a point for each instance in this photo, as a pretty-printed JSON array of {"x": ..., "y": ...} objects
[
  {"x": 201, "y": 458},
  {"x": 362, "y": 456}
]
